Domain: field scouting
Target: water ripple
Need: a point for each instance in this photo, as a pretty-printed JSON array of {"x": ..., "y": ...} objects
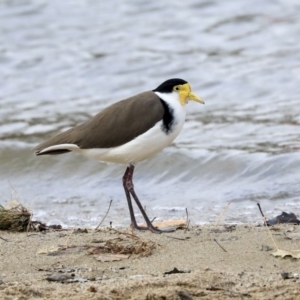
[{"x": 63, "y": 61}]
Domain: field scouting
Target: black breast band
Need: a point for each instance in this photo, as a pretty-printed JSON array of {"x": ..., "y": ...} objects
[{"x": 168, "y": 117}]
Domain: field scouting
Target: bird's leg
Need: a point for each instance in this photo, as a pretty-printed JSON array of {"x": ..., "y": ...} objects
[
  {"x": 126, "y": 178},
  {"x": 130, "y": 189}
]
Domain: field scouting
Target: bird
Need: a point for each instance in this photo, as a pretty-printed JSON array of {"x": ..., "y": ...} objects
[{"x": 127, "y": 132}]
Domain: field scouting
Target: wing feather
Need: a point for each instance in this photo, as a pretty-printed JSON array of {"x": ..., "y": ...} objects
[{"x": 114, "y": 126}]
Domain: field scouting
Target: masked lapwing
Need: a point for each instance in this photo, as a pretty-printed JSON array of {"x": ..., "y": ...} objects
[{"x": 128, "y": 132}]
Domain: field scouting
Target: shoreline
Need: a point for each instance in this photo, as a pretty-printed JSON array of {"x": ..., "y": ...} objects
[{"x": 204, "y": 262}]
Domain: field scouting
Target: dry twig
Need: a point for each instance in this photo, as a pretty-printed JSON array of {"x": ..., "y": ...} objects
[
  {"x": 105, "y": 215},
  {"x": 222, "y": 213},
  {"x": 219, "y": 245},
  {"x": 187, "y": 220},
  {"x": 265, "y": 222}
]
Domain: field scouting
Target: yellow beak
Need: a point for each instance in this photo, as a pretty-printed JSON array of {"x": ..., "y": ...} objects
[
  {"x": 192, "y": 96},
  {"x": 185, "y": 95}
]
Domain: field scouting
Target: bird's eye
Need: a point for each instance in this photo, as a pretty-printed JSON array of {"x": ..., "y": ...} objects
[{"x": 176, "y": 88}]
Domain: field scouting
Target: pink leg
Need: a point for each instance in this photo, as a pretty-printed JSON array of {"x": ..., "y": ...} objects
[{"x": 129, "y": 189}]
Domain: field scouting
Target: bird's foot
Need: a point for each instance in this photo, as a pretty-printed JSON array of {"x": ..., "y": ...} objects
[{"x": 152, "y": 229}]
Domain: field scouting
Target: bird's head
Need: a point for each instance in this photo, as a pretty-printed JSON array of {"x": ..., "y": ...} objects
[{"x": 181, "y": 87}]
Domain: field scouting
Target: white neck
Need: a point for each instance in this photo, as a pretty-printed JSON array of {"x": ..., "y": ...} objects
[{"x": 172, "y": 99}]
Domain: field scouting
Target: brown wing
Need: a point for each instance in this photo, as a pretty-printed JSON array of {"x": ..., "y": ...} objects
[{"x": 114, "y": 126}]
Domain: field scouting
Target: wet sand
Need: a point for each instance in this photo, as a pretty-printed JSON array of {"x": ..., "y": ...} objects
[{"x": 220, "y": 262}]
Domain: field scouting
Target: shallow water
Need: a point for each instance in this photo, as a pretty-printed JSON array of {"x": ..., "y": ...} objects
[{"x": 63, "y": 61}]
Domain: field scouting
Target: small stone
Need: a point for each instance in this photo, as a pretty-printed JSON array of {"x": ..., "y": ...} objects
[
  {"x": 285, "y": 275},
  {"x": 266, "y": 248},
  {"x": 184, "y": 296},
  {"x": 92, "y": 289},
  {"x": 60, "y": 277},
  {"x": 80, "y": 230}
]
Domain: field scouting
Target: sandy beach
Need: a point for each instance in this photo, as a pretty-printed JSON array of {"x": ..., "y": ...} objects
[{"x": 206, "y": 262}]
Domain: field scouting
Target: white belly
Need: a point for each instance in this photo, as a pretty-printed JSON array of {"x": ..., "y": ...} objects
[{"x": 142, "y": 147}]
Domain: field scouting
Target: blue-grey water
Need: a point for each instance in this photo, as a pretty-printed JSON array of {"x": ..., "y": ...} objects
[{"x": 63, "y": 61}]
